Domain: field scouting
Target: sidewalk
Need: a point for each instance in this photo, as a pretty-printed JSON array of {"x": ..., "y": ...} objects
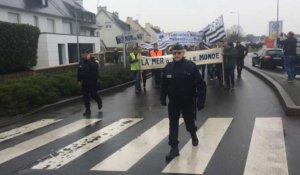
[{"x": 287, "y": 92}]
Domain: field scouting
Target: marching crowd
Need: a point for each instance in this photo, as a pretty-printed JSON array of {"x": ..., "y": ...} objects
[{"x": 180, "y": 81}]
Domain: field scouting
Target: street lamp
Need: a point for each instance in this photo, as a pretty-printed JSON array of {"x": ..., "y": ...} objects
[{"x": 238, "y": 15}]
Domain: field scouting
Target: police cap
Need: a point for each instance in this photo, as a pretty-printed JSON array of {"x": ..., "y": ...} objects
[{"x": 177, "y": 46}]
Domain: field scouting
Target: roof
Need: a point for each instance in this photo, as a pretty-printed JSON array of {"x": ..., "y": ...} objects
[
  {"x": 59, "y": 8},
  {"x": 155, "y": 30},
  {"x": 124, "y": 26},
  {"x": 145, "y": 31}
]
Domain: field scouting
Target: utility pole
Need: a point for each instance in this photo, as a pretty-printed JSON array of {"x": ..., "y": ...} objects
[{"x": 77, "y": 37}]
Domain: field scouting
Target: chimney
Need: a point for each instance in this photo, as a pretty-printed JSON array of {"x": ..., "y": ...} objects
[
  {"x": 116, "y": 13},
  {"x": 104, "y": 8}
]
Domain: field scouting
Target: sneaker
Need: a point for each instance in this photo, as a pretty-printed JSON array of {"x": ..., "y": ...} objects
[
  {"x": 87, "y": 112},
  {"x": 174, "y": 152},
  {"x": 195, "y": 140},
  {"x": 99, "y": 105}
]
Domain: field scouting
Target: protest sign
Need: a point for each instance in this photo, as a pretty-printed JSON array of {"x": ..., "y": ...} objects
[{"x": 200, "y": 57}]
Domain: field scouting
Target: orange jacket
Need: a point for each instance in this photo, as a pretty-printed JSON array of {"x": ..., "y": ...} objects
[{"x": 155, "y": 54}]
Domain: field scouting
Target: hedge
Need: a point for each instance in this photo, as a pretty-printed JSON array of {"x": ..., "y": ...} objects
[
  {"x": 18, "y": 51},
  {"x": 22, "y": 95}
]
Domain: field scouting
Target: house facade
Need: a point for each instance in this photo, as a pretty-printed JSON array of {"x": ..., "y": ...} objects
[
  {"x": 57, "y": 21},
  {"x": 112, "y": 27},
  {"x": 153, "y": 31},
  {"x": 135, "y": 27}
]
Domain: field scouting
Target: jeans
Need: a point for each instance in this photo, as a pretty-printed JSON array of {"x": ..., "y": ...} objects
[
  {"x": 289, "y": 65},
  {"x": 137, "y": 78}
]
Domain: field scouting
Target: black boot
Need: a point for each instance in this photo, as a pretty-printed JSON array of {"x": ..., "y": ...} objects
[
  {"x": 174, "y": 152},
  {"x": 87, "y": 112},
  {"x": 195, "y": 140}
]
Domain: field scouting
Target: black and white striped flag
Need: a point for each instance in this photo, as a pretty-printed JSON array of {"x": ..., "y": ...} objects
[
  {"x": 161, "y": 45},
  {"x": 214, "y": 32}
]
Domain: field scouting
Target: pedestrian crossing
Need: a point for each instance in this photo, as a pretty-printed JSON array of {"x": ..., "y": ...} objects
[{"x": 266, "y": 154}]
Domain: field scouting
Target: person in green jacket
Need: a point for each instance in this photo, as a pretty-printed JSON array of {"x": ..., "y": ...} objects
[{"x": 230, "y": 56}]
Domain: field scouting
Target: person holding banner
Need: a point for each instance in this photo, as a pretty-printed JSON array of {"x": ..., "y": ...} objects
[
  {"x": 183, "y": 84},
  {"x": 157, "y": 73},
  {"x": 202, "y": 67},
  {"x": 135, "y": 58},
  {"x": 230, "y": 55}
]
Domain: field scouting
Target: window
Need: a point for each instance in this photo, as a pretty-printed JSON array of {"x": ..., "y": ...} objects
[
  {"x": 45, "y": 3},
  {"x": 67, "y": 28},
  {"x": 108, "y": 25},
  {"x": 35, "y": 21},
  {"x": 51, "y": 25},
  {"x": 13, "y": 17}
]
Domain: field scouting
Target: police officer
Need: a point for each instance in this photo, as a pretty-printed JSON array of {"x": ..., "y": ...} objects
[
  {"x": 182, "y": 83},
  {"x": 87, "y": 77}
]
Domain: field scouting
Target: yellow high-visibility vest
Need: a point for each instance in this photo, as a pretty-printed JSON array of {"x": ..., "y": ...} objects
[{"x": 136, "y": 65}]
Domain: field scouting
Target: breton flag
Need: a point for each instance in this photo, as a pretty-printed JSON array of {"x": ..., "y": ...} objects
[
  {"x": 214, "y": 32},
  {"x": 161, "y": 45}
]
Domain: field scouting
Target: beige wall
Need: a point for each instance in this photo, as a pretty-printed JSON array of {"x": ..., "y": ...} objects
[{"x": 109, "y": 35}]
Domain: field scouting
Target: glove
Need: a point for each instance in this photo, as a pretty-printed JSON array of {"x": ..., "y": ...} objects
[{"x": 163, "y": 102}]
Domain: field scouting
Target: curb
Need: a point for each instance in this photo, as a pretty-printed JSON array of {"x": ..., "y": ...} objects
[
  {"x": 290, "y": 108},
  {"x": 21, "y": 117}
]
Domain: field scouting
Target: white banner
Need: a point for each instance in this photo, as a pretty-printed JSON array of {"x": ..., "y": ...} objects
[
  {"x": 185, "y": 38},
  {"x": 200, "y": 57}
]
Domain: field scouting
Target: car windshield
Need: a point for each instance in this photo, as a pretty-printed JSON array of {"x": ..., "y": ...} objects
[{"x": 275, "y": 52}]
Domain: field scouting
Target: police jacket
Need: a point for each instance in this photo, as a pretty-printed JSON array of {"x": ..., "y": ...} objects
[
  {"x": 289, "y": 46},
  {"x": 88, "y": 70},
  {"x": 182, "y": 79}
]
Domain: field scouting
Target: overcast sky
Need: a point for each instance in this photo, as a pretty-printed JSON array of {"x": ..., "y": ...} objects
[{"x": 194, "y": 15}]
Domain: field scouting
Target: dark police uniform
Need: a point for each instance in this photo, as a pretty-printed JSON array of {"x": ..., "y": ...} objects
[
  {"x": 87, "y": 75},
  {"x": 182, "y": 83}
]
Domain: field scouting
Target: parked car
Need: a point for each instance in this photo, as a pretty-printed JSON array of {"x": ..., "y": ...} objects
[{"x": 271, "y": 57}]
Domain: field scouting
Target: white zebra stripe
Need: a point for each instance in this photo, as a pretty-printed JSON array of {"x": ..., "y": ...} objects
[
  {"x": 80, "y": 147},
  {"x": 193, "y": 160},
  {"x": 26, "y": 128},
  {"x": 131, "y": 153},
  {"x": 29, "y": 145},
  {"x": 267, "y": 153}
]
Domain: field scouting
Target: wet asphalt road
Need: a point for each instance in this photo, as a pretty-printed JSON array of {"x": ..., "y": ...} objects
[{"x": 251, "y": 99}]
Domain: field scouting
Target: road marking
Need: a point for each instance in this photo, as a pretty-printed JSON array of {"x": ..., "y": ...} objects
[
  {"x": 267, "y": 154},
  {"x": 29, "y": 145},
  {"x": 131, "y": 153},
  {"x": 26, "y": 128},
  {"x": 193, "y": 160},
  {"x": 78, "y": 148}
]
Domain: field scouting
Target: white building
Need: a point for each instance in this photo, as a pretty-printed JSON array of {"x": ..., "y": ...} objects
[
  {"x": 135, "y": 27},
  {"x": 56, "y": 20},
  {"x": 153, "y": 31},
  {"x": 112, "y": 27}
]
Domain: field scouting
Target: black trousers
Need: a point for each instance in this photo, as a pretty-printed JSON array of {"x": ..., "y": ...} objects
[
  {"x": 89, "y": 88},
  {"x": 240, "y": 66},
  {"x": 157, "y": 76},
  {"x": 175, "y": 107},
  {"x": 229, "y": 77}
]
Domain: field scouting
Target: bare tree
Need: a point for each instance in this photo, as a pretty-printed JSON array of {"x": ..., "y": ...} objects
[{"x": 234, "y": 33}]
